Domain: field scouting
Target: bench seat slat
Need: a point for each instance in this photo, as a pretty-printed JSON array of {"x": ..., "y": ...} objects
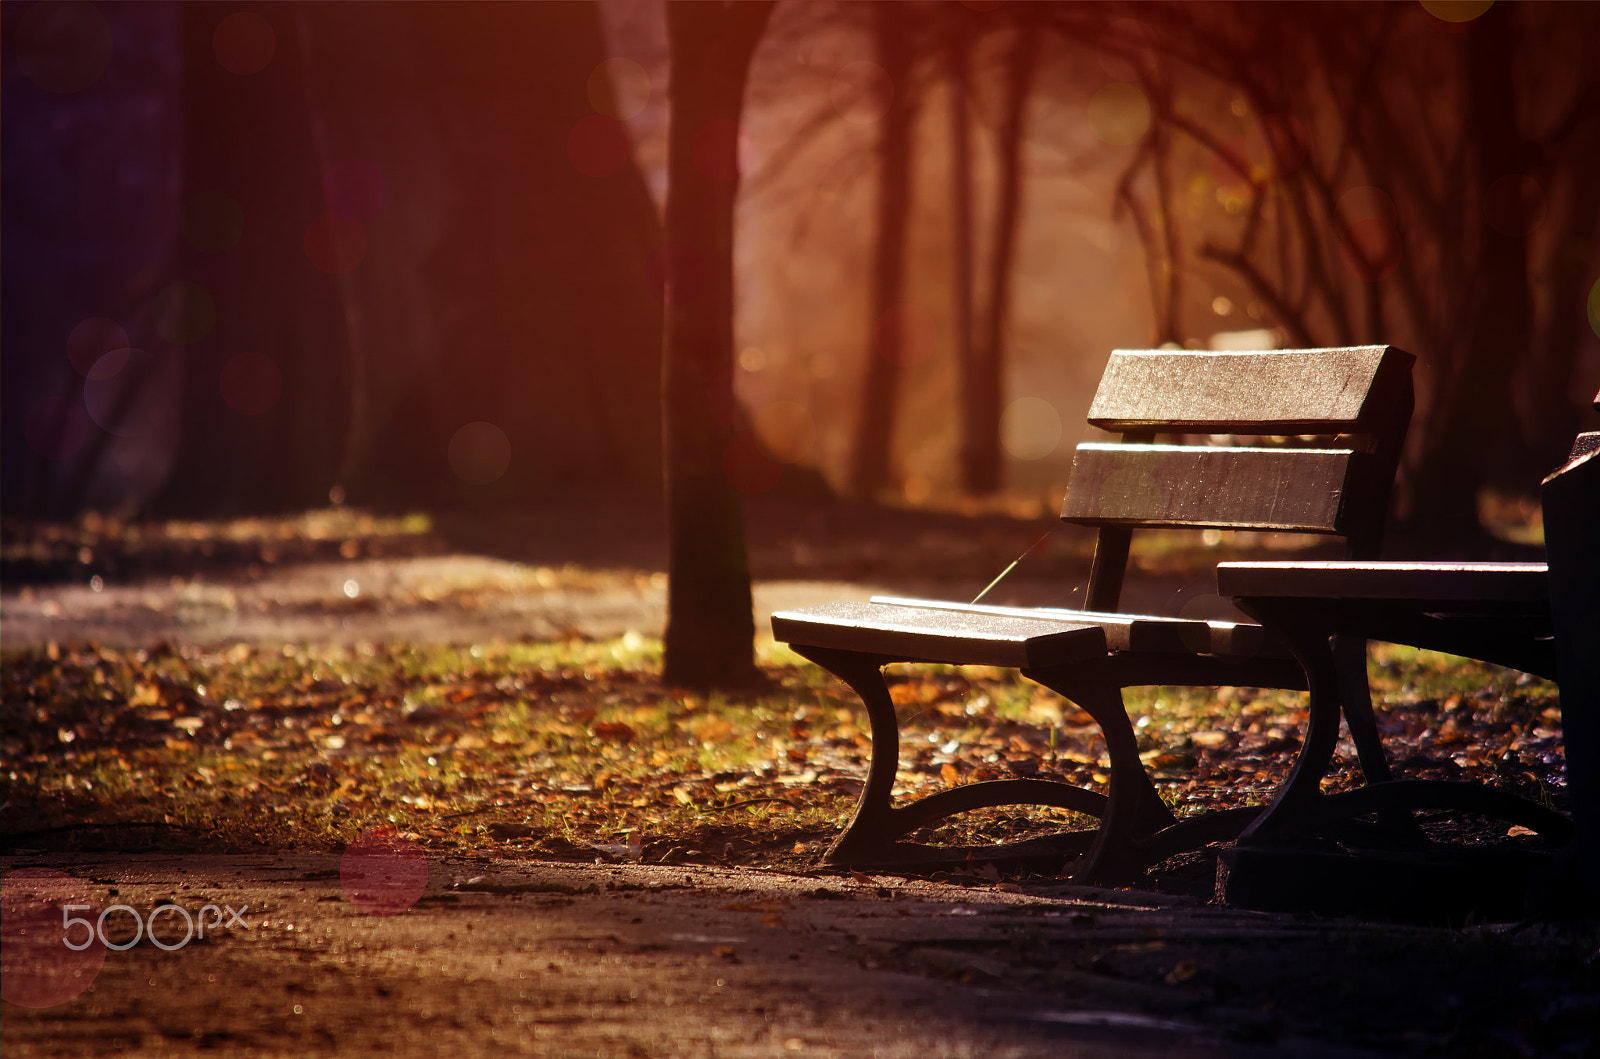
[
  {"x": 1527, "y": 583},
  {"x": 1311, "y": 391},
  {"x": 925, "y": 634},
  {"x": 1289, "y": 490},
  {"x": 1139, "y": 633}
]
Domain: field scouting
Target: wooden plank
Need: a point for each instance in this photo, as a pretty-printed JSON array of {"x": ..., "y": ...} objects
[
  {"x": 1301, "y": 391},
  {"x": 1293, "y": 490},
  {"x": 1488, "y": 583},
  {"x": 929, "y": 635},
  {"x": 1144, "y": 633}
]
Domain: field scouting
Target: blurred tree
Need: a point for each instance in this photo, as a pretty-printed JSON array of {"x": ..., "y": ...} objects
[
  {"x": 1370, "y": 173},
  {"x": 402, "y": 248},
  {"x": 505, "y": 323},
  {"x": 710, "y": 627},
  {"x": 895, "y": 40},
  {"x": 983, "y": 393},
  {"x": 265, "y": 406}
]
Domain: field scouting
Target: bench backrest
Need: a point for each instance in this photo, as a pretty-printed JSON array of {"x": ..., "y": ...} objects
[{"x": 1333, "y": 422}]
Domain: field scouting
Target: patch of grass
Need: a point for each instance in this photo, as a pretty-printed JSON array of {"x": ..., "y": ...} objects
[{"x": 574, "y": 749}]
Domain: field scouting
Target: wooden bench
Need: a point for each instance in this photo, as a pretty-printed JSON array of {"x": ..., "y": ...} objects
[
  {"x": 1358, "y": 400},
  {"x": 1536, "y": 617}
]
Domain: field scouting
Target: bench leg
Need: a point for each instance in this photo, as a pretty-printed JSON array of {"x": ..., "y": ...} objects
[
  {"x": 872, "y": 829},
  {"x": 872, "y": 834},
  {"x": 1298, "y": 793},
  {"x": 1136, "y": 810}
]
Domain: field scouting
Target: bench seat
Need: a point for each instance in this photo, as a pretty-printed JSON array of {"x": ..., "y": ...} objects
[{"x": 911, "y": 632}]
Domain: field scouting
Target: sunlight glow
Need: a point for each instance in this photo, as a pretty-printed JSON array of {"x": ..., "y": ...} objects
[{"x": 1119, "y": 113}]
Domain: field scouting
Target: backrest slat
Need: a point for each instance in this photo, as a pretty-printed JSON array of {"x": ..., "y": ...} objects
[
  {"x": 1300, "y": 391},
  {"x": 1197, "y": 486}
]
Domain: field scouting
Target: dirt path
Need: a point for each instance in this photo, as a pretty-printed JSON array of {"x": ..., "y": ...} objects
[{"x": 527, "y": 958}]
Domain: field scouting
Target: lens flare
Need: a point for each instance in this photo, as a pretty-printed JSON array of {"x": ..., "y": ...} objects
[
  {"x": 52, "y": 948},
  {"x": 747, "y": 466},
  {"x": 353, "y": 189},
  {"x": 383, "y": 874},
  {"x": 788, "y": 427},
  {"x": 479, "y": 453},
  {"x": 619, "y": 88},
  {"x": 92, "y": 339},
  {"x": 244, "y": 43},
  {"x": 118, "y": 396},
  {"x": 1030, "y": 428},
  {"x": 1456, "y": 11},
  {"x": 1119, "y": 113},
  {"x": 1370, "y": 243}
]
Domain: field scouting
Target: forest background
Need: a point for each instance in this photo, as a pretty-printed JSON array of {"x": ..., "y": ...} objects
[{"x": 264, "y": 257}]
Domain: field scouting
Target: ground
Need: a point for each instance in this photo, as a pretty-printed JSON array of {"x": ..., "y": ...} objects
[{"x": 401, "y": 951}]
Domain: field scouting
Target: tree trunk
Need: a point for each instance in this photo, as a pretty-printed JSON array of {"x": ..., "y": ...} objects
[
  {"x": 250, "y": 290},
  {"x": 710, "y": 627},
  {"x": 985, "y": 388},
  {"x": 870, "y": 468},
  {"x": 1471, "y": 414},
  {"x": 958, "y": 47}
]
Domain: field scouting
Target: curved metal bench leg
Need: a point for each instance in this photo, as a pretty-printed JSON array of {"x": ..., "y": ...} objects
[
  {"x": 1297, "y": 795},
  {"x": 871, "y": 835},
  {"x": 1135, "y": 809},
  {"x": 1355, "y": 700},
  {"x": 872, "y": 829}
]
